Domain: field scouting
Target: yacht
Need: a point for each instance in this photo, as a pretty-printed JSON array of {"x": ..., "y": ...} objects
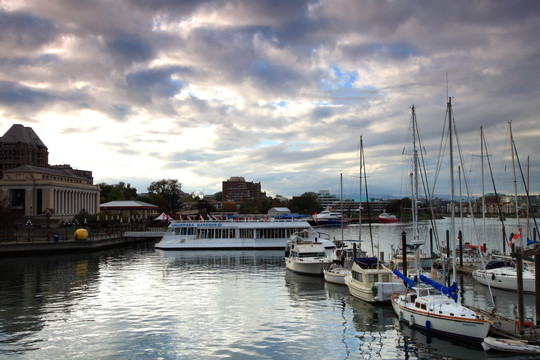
[
  {"x": 306, "y": 255},
  {"x": 503, "y": 275}
]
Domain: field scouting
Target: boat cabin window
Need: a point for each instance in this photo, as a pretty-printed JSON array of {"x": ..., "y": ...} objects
[
  {"x": 358, "y": 276},
  {"x": 184, "y": 231},
  {"x": 386, "y": 278}
]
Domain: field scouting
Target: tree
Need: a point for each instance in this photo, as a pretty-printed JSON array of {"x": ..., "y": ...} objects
[
  {"x": 166, "y": 194},
  {"x": 307, "y": 203},
  {"x": 120, "y": 191}
]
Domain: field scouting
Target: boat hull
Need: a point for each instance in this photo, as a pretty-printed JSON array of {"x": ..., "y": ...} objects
[
  {"x": 510, "y": 345},
  {"x": 471, "y": 329},
  {"x": 504, "y": 281},
  {"x": 306, "y": 267},
  {"x": 336, "y": 275}
]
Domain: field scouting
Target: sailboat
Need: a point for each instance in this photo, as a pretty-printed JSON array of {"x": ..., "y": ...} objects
[
  {"x": 369, "y": 279},
  {"x": 427, "y": 304},
  {"x": 503, "y": 274}
]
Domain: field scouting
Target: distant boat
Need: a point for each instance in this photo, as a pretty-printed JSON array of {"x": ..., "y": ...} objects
[
  {"x": 385, "y": 218},
  {"x": 328, "y": 218}
]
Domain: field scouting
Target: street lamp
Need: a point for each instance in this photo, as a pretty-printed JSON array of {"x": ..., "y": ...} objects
[{"x": 29, "y": 227}]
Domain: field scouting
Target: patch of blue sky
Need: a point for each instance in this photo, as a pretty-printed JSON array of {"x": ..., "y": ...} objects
[
  {"x": 340, "y": 79},
  {"x": 267, "y": 142},
  {"x": 281, "y": 104}
]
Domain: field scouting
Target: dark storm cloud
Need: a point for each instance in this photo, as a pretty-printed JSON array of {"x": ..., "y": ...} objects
[
  {"x": 128, "y": 48},
  {"x": 14, "y": 95},
  {"x": 25, "y": 31},
  {"x": 155, "y": 82}
]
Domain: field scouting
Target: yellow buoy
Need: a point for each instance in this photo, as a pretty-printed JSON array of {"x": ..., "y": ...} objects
[{"x": 81, "y": 234}]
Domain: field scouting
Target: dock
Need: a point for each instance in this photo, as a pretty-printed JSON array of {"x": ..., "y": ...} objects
[{"x": 55, "y": 245}]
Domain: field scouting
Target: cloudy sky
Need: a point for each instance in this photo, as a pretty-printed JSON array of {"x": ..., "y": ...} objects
[{"x": 278, "y": 92}]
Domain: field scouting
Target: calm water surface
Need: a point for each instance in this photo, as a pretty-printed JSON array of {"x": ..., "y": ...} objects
[{"x": 152, "y": 304}]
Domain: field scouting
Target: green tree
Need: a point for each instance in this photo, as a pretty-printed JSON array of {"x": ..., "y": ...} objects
[
  {"x": 166, "y": 194},
  {"x": 307, "y": 203},
  {"x": 120, "y": 191}
]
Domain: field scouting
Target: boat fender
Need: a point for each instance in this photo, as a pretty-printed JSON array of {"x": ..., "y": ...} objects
[
  {"x": 493, "y": 277},
  {"x": 401, "y": 316},
  {"x": 428, "y": 325},
  {"x": 411, "y": 321},
  {"x": 374, "y": 290}
]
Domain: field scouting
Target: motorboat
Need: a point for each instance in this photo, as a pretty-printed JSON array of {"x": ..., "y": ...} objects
[
  {"x": 336, "y": 274},
  {"x": 370, "y": 280},
  {"x": 385, "y": 218},
  {"x": 502, "y": 274},
  {"x": 233, "y": 234},
  {"x": 328, "y": 218},
  {"x": 305, "y": 255}
]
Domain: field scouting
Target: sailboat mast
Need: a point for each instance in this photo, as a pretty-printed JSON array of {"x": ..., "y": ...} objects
[
  {"x": 482, "y": 176},
  {"x": 452, "y": 200},
  {"x": 341, "y": 202},
  {"x": 360, "y": 196},
  {"x": 515, "y": 181},
  {"x": 414, "y": 187}
]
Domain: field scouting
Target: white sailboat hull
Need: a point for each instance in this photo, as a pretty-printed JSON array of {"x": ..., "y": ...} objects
[
  {"x": 505, "y": 278},
  {"x": 336, "y": 275},
  {"x": 474, "y": 329}
]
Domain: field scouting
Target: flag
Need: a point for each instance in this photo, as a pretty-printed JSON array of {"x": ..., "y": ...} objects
[
  {"x": 315, "y": 217},
  {"x": 200, "y": 216},
  {"x": 515, "y": 237},
  {"x": 265, "y": 218}
]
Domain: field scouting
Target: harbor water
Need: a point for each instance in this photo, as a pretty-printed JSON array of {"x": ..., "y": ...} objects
[{"x": 143, "y": 303}]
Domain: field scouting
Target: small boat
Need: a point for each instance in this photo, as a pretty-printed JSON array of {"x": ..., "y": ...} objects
[
  {"x": 306, "y": 256},
  {"x": 503, "y": 275},
  {"x": 511, "y": 345},
  {"x": 385, "y": 218},
  {"x": 336, "y": 274}
]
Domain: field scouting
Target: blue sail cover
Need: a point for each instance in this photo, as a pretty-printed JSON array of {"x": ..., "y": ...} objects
[
  {"x": 410, "y": 282},
  {"x": 530, "y": 242},
  {"x": 450, "y": 291}
]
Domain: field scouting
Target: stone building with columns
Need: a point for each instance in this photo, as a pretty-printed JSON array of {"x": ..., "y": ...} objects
[{"x": 61, "y": 190}]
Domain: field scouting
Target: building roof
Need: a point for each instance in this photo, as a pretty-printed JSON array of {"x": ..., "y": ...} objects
[
  {"x": 44, "y": 170},
  {"x": 127, "y": 204},
  {"x": 281, "y": 209},
  {"x": 21, "y": 134}
]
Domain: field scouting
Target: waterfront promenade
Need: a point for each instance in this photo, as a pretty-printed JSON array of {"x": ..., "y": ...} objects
[{"x": 27, "y": 243}]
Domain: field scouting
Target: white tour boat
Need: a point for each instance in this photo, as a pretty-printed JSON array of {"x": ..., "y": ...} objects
[
  {"x": 233, "y": 234},
  {"x": 306, "y": 255}
]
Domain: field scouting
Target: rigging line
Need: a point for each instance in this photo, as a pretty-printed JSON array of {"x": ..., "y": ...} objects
[
  {"x": 442, "y": 150},
  {"x": 425, "y": 184},
  {"x": 367, "y": 200},
  {"x": 475, "y": 228},
  {"x": 497, "y": 198},
  {"x": 524, "y": 183}
]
